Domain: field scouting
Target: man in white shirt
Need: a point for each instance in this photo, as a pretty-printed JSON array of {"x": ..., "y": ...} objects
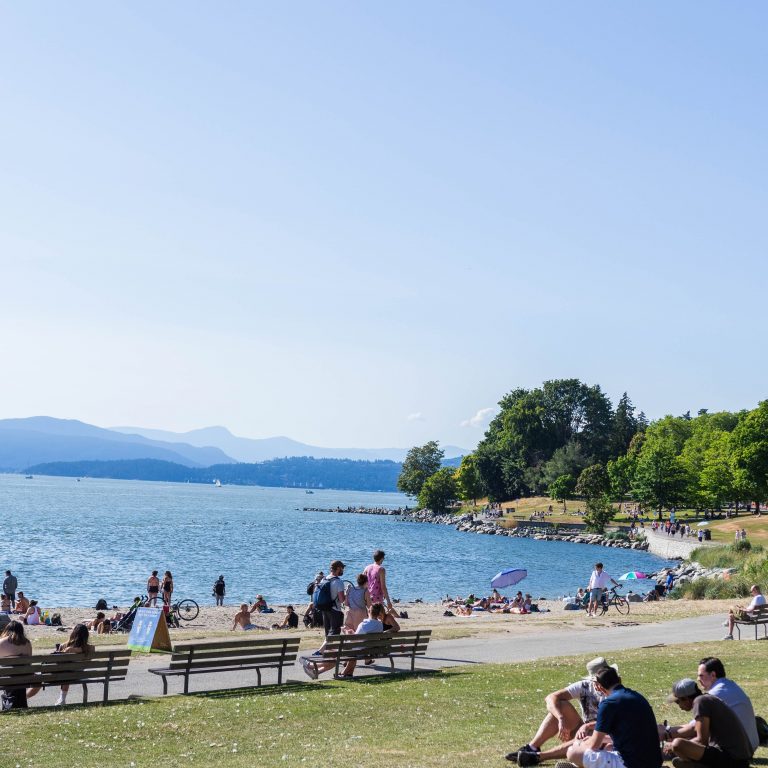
[
  {"x": 737, "y": 612},
  {"x": 598, "y": 583},
  {"x": 711, "y": 677}
]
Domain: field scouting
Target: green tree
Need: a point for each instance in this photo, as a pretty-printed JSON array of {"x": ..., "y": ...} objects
[
  {"x": 468, "y": 481},
  {"x": 750, "y": 453},
  {"x": 439, "y": 491},
  {"x": 568, "y": 460},
  {"x": 717, "y": 480},
  {"x": 562, "y": 488},
  {"x": 621, "y": 472},
  {"x": 660, "y": 478},
  {"x": 421, "y": 462},
  {"x": 599, "y": 513},
  {"x": 624, "y": 426},
  {"x": 593, "y": 482}
]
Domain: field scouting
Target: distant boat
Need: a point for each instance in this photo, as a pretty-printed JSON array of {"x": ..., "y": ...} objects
[
  {"x": 308, "y": 491},
  {"x": 217, "y": 483},
  {"x": 29, "y": 477}
]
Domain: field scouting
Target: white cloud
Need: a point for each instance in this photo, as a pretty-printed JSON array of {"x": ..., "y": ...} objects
[
  {"x": 415, "y": 417},
  {"x": 480, "y": 418}
]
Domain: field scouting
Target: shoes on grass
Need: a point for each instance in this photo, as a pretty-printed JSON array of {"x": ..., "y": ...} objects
[
  {"x": 525, "y": 758},
  {"x": 728, "y": 637},
  {"x": 565, "y": 764},
  {"x": 512, "y": 756},
  {"x": 309, "y": 669}
]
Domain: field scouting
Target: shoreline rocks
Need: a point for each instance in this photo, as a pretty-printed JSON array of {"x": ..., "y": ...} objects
[{"x": 360, "y": 510}]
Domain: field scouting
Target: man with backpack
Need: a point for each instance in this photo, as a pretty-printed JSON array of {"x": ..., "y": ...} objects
[
  {"x": 219, "y": 590},
  {"x": 328, "y": 598}
]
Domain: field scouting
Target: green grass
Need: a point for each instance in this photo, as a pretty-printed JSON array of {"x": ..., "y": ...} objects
[{"x": 467, "y": 716}]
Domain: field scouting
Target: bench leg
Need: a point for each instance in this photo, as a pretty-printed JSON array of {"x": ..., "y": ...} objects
[
  {"x": 85, "y": 693},
  {"x": 105, "y": 699},
  {"x": 186, "y": 683},
  {"x": 165, "y": 685},
  {"x": 258, "y": 676},
  {"x": 280, "y": 674}
]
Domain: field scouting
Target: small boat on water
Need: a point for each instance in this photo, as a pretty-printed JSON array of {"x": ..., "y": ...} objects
[
  {"x": 308, "y": 491},
  {"x": 29, "y": 477},
  {"x": 217, "y": 483}
]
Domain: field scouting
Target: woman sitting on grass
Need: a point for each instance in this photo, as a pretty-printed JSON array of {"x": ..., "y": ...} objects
[{"x": 77, "y": 643}]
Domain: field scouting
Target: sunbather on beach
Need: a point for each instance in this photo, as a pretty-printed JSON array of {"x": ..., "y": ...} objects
[
  {"x": 291, "y": 620},
  {"x": 243, "y": 618}
]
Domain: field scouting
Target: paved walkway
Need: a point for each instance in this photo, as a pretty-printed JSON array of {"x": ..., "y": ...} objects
[{"x": 497, "y": 648}]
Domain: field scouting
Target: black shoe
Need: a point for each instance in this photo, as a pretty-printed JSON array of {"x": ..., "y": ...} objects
[
  {"x": 527, "y": 758},
  {"x": 512, "y": 756}
]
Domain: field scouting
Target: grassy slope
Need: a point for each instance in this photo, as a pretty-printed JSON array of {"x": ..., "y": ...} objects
[{"x": 464, "y": 716}]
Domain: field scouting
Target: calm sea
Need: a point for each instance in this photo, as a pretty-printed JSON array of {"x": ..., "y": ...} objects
[{"x": 72, "y": 542}]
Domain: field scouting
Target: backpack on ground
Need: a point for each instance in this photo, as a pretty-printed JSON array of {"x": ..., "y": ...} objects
[
  {"x": 101, "y": 605},
  {"x": 321, "y": 597}
]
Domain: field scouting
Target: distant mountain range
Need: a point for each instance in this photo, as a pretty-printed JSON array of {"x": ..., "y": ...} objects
[
  {"x": 250, "y": 449},
  {"x": 43, "y": 440}
]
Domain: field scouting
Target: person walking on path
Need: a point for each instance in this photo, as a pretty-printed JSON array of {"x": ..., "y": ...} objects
[
  {"x": 329, "y": 598},
  {"x": 377, "y": 579},
  {"x": 626, "y": 718},
  {"x": 10, "y": 585},
  {"x": 598, "y": 583},
  {"x": 219, "y": 590}
]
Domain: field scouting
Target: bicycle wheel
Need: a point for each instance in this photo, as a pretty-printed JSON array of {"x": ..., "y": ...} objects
[
  {"x": 187, "y": 610},
  {"x": 621, "y": 603}
]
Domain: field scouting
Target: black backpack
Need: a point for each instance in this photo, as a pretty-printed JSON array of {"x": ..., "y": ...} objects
[
  {"x": 321, "y": 597},
  {"x": 311, "y": 587},
  {"x": 101, "y": 605}
]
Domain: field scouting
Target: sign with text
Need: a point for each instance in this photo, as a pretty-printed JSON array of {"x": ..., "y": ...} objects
[{"x": 149, "y": 632}]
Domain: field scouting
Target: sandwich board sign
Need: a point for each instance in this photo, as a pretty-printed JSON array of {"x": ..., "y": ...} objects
[{"x": 149, "y": 632}]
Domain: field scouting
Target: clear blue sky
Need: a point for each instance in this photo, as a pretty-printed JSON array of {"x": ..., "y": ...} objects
[{"x": 362, "y": 224}]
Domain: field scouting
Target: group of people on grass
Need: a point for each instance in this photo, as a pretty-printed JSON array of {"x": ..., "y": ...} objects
[{"x": 615, "y": 726}]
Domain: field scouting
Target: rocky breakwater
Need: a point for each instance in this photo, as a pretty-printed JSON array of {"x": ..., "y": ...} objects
[
  {"x": 692, "y": 571},
  {"x": 469, "y": 524},
  {"x": 360, "y": 510}
]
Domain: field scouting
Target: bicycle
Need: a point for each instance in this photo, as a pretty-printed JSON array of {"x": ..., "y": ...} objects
[
  {"x": 185, "y": 610},
  {"x": 613, "y": 598}
]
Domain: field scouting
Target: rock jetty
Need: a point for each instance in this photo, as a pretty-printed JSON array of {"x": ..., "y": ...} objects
[
  {"x": 471, "y": 524},
  {"x": 361, "y": 510}
]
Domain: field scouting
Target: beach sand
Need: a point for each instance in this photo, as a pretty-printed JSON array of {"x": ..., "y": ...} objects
[{"x": 217, "y": 621}]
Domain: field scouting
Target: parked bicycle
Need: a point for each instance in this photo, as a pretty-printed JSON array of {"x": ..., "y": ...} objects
[{"x": 185, "y": 610}]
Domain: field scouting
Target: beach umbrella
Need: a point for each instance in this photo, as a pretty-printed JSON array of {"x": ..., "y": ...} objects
[
  {"x": 630, "y": 575},
  {"x": 508, "y": 577},
  {"x": 703, "y": 522}
]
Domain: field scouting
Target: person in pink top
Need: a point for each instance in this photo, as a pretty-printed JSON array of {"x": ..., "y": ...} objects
[{"x": 377, "y": 579}]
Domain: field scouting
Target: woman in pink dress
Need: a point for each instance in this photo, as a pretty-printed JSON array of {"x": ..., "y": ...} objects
[{"x": 377, "y": 579}]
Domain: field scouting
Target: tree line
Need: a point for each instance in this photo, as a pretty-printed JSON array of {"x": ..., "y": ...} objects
[{"x": 566, "y": 439}]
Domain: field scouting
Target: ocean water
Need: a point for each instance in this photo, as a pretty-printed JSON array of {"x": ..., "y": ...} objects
[{"x": 70, "y": 543}]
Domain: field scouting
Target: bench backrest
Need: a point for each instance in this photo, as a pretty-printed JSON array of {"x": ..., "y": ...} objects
[
  {"x": 756, "y": 614},
  {"x": 268, "y": 651},
  {"x": 63, "y": 668},
  {"x": 377, "y": 644}
]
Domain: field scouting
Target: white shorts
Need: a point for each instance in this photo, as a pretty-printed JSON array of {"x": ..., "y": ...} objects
[{"x": 602, "y": 758}]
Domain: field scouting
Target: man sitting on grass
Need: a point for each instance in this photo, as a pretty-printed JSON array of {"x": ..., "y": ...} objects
[
  {"x": 563, "y": 720},
  {"x": 625, "y": 734},
  {"x": 740, "y": 613},
  {"x": 716, "y": 737}
]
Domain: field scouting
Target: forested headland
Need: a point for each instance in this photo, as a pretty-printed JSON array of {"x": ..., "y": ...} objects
[{"x": 566, "y": 439}]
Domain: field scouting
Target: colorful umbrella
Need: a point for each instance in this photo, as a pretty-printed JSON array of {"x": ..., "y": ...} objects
[
  {"x": 508, "y": 577},
  {"x": 633, "y": 575},
  {"x": 703, "y": 522}
]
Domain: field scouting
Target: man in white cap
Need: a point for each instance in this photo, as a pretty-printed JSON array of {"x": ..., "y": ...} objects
[
  {"x": 715, "y": 738},
  {"x": 563, "y": 720}
]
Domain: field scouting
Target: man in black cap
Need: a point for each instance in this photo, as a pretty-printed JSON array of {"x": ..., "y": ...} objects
[{"x": 716, "y": 738}]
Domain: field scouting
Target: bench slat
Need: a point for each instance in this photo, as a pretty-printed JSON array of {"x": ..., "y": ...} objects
[
  {"x": 232, "y": 662},
  {"x": 245, "y": 643}
]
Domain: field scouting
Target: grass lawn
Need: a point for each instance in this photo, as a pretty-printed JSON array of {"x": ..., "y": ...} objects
[{"x": 468, "y": 716}]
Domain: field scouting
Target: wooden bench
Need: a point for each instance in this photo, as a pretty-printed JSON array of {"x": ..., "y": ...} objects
[
  {"x": 758, "y": 616},
  {"x": 230, "y": 656},
  {"x": 52, "y": 669},
  {"x": 339, "y": 649}
]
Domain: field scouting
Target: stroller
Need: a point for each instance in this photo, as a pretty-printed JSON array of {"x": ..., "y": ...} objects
[{"x": 125, "y": 623}]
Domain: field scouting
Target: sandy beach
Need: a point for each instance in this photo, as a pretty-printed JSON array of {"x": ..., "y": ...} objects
[{"x": 215, "y": 621}]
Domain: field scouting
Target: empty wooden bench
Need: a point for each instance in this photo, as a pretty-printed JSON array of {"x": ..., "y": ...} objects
[
  {"x": 51, "y": 669},
  {"x": 230, "y": 656},
  {"x": 759, "y": 616},
  {"x": 339, "y": 649}
]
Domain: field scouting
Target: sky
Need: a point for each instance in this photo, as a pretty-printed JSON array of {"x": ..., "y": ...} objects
[{"x": 361, "y": 225}]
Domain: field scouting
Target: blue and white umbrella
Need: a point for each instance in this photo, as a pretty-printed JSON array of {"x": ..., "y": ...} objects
[{"x": 508, "y": 577}]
